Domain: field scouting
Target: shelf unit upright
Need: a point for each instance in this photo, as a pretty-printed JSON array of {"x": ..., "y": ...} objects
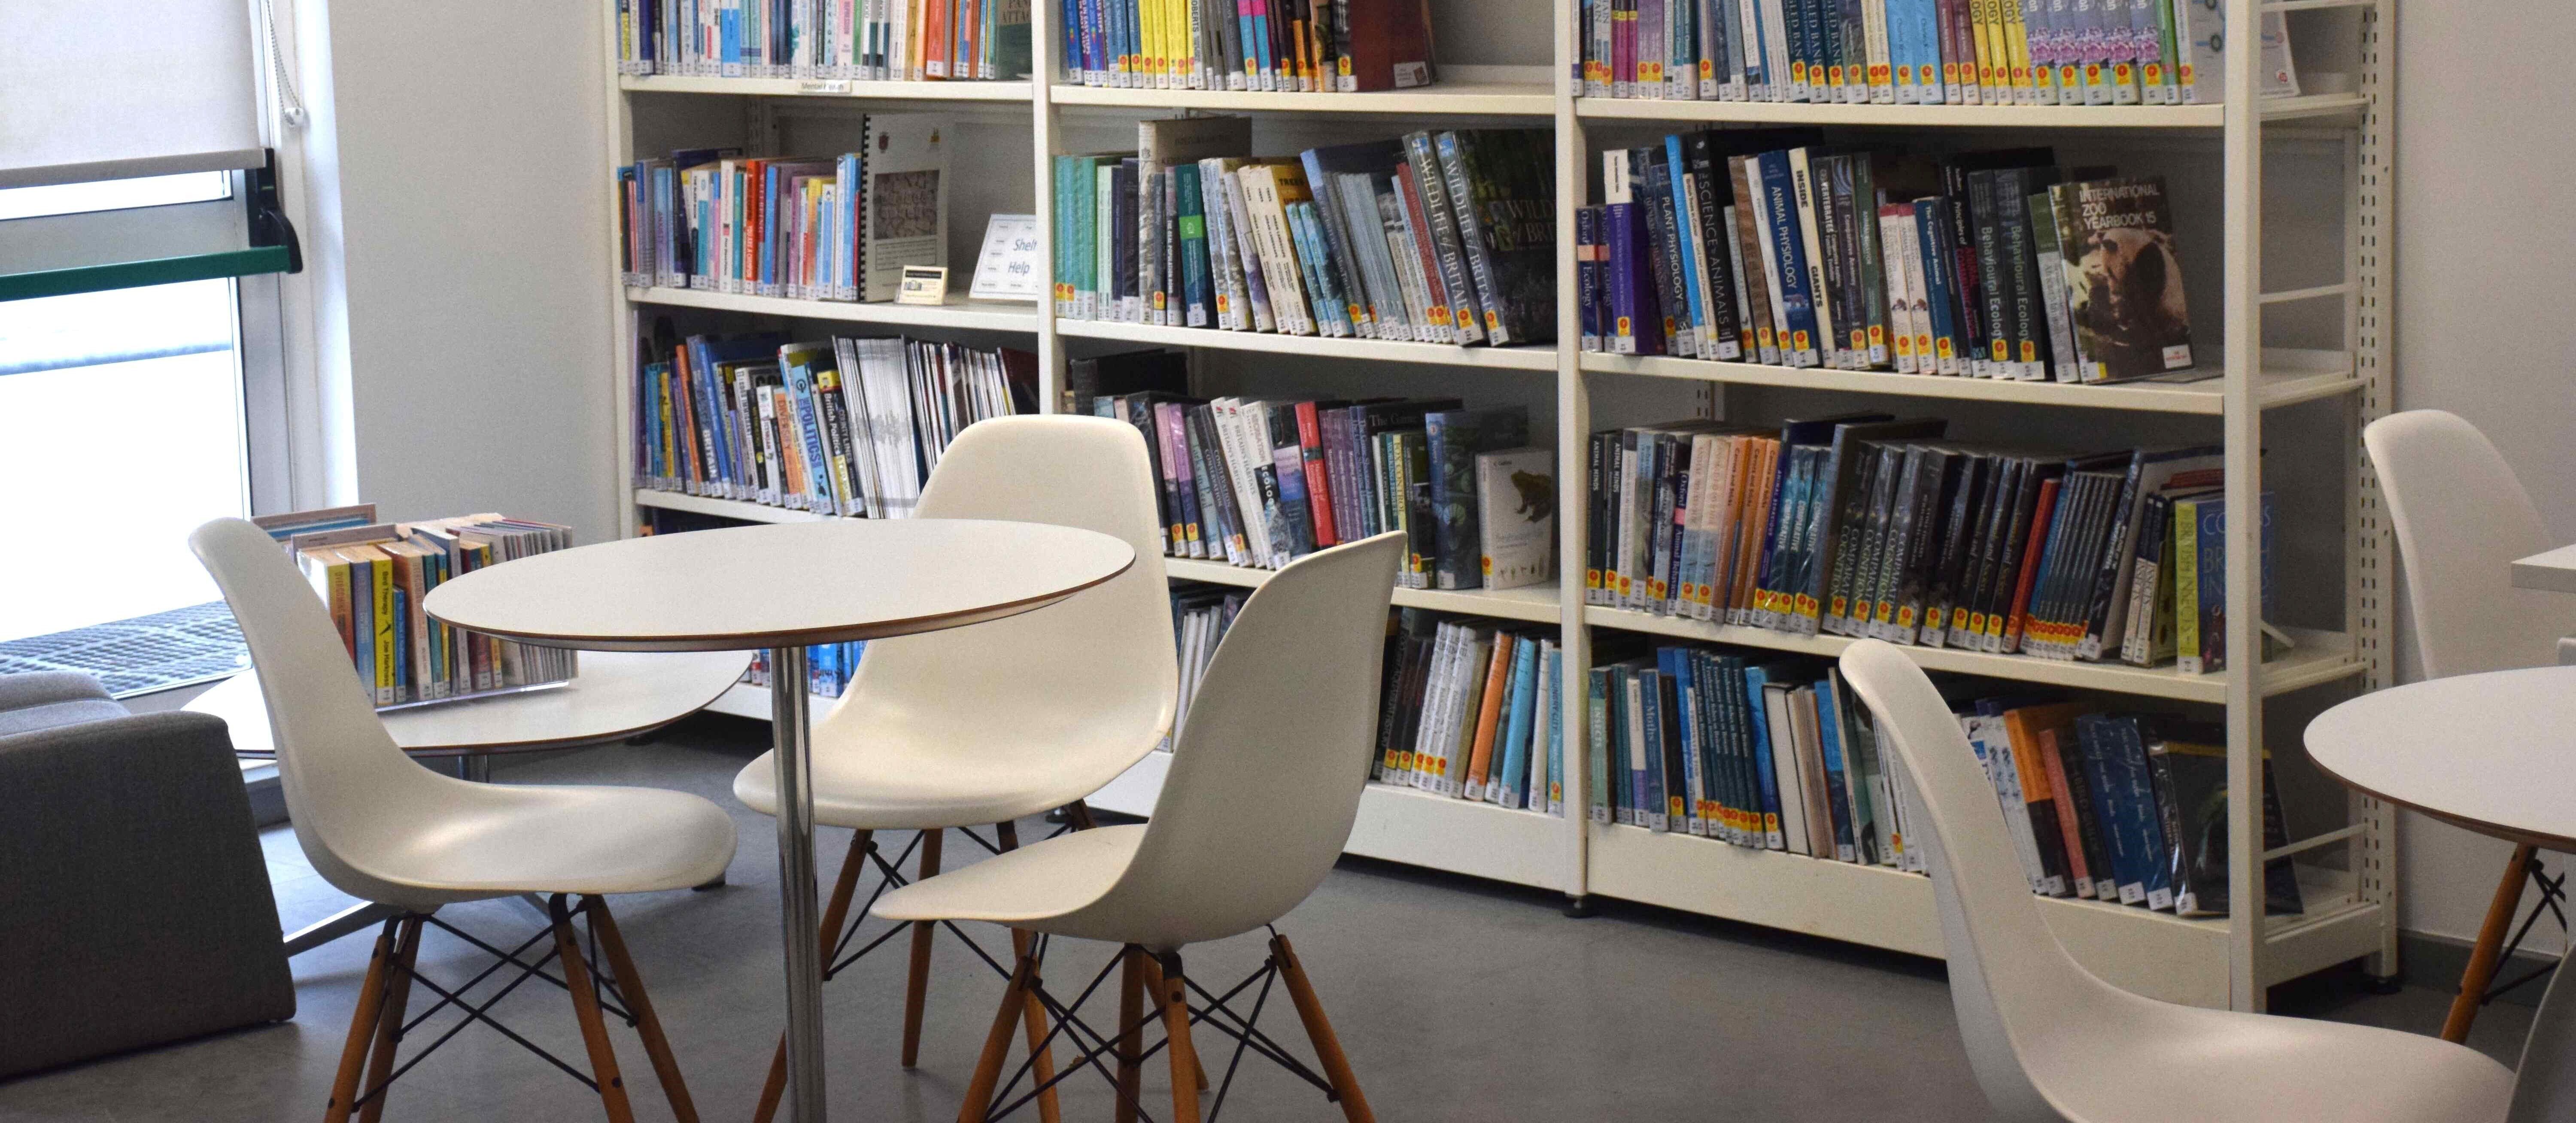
[{"x": 2210, "y": 962}]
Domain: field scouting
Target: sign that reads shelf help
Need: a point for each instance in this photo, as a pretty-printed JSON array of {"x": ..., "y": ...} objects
[{"x": 1008, "y": 268}]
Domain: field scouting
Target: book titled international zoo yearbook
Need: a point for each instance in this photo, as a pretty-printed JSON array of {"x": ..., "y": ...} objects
[
  {"x": 1455, "y": 437},
  {"x": 2125, "y": 283}
]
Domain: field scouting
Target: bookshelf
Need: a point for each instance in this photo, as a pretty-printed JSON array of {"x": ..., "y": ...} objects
[{"x": 2311, "y": 351}]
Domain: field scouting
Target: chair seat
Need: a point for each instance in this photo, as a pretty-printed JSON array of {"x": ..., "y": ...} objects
[
  {"x": 902, "y": 784},
  {"x": 1038, "y": 887},
  {"x": 2221, "y": 1067},
  {"x": 493, "y": 840}
]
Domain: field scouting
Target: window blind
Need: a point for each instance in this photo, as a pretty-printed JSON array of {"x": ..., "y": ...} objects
[{"x": 109, "y": 89}]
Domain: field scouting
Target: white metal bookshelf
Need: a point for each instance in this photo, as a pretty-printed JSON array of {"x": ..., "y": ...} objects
[{"x": 2351, "y": 911}]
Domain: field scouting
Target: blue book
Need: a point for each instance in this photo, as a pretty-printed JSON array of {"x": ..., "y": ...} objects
[
  {"x": 1504, "y": 785},
  {"x": 1587, "y": 235},
  {"x": 1599, "y": 719},
  {"x": 1648, "y": 756},
  {"x": 1758, "y": 726},
  {"x": 1940, "y": 283},
  {"x": 1689, "y": 793},
  {"x": 2093, "y": 744},
  {"x": 1198, "y": 297},
  {"x": 1687, "y": 243},
  {"x": 1789, "y": 260},
  {"x": 1553, "y": 667},
  {"x": 1837, "y": 779}
]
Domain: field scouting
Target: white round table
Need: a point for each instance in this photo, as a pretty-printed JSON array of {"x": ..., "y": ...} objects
[
  {"x": 783, "y": 587},
  {"x": 2493, "y": 753}
]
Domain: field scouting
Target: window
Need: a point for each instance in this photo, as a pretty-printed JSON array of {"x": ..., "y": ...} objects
[{"x": 126, "y": 419}]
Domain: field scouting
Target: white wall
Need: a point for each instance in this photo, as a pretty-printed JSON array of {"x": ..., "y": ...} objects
[
  {"x": 455, "y": 176},
  {"x": 2484, "y": 323}
]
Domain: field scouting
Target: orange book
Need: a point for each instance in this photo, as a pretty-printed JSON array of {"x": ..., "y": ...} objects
[
  {"x": 2010, "y": 629},
  {"x": 2022, "y": 728},
  {"x": 2052, "y": 753},
  {"x": 934, "y": 39},
  {"x": 1489, "y": 712}
]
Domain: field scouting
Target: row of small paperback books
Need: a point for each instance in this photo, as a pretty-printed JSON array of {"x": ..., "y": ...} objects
[
  {"x": 1441, "y": 237},
  {"x": 1200, "y": 617},
  {"x": 802, "y": 227},
  {"x": 1346, "y": 46},
  {"x": 1866, "y": 526},
  {"x": 1261, "y": 482},
  {"x": 869, "y": 40},
  {"x": 374, "y": 577},
  {"x": 1782, "y": 755},
  {"x": 1471, "y": 709},
  {"x": 2126, "y": 808},
  {"x": 828, "y": 667},
  {"x": 1759, "y": 246},
  {"x": 840, "y": 427},
  {"x": 1907, "y": 52}
]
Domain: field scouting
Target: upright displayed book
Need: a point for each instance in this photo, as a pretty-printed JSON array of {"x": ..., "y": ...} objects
[{"x": 373, "y": 577}]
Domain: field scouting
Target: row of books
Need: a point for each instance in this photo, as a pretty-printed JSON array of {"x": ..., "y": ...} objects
[
  {"x": 1769, "y": 756},
  {"x": 873, "y": 40},
  {"x": 803, "y": 227},
  {"x": 1471, "y": 709},
  {"x": 1306, "y": 46},
  {"x": 1907, "y": 52},
  {"x": 1867, "y": 526},
  {"x": 2126, "y": 808},
  {"x": 1200, "y": 616},
  {"x": 1260, "y": 482},
  {"x": 1780, "y": 754},
  {"x": 842, "y": 426},
  {"x": 1761, "y": 246},
  {"x": 1443, "y": 237},
  {"x": 374, "y": 577},
  {"x": 828, "y": 667}
]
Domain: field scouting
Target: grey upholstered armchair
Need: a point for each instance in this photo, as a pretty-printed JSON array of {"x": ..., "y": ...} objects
[{"x": 134, "y": 901}]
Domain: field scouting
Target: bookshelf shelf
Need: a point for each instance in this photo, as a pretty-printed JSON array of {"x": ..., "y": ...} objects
[
  {"x": 2319, "y": 657},
  {"x": 983, "y": 315},
  {"x": 2224, "y": 155},
  {"x": 1503, "y": 358},
  {"x": 1479, "y": 99},
  {"x": 1534, "y": 603},
  {"x": 829, "y": 88},
  {"x": 2277, "y": 386}
]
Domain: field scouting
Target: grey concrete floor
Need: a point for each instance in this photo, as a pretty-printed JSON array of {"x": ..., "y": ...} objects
[{"x": 1456, "y": 1000}]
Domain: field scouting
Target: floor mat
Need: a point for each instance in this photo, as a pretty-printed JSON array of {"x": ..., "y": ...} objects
[{"x": 170, "y": 649}]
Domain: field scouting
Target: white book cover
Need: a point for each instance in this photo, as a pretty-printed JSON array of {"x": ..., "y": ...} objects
[
  {"x": 1516, "y": 498},
  {"x": 905, "y": 207},
  {"x": 1784, "y": 767}
]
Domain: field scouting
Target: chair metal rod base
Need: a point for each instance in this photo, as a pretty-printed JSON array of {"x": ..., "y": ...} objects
[
  {"x": 355, "y": 918},
  {"x": 790, "y": 738}
]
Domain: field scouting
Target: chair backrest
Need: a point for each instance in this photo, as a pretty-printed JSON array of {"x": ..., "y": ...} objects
[
  {"x": 1266, "y": 778},
  {"x": 2461, "y": 519},
  {"x": 2011, "y": 982},
  {"x": 349, "y": 790},
  {"x": 1104, "y": 656}
]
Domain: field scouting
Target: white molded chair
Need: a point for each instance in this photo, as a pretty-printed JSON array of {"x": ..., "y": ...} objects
[
  {"x": 1264, "y": 784},
  {"x": 2049, "y": 1041},
  {"x": 2461, "y": 519},
  {"x": 381, "y": 828},
  {"x": 1006, "y": 719}
]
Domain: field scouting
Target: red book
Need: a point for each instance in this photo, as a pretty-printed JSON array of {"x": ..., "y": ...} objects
[
  {"x": 2029, "y": 564},
  {"x": 1389, "y": 46},
  {"x": 1319, "y": 483}
]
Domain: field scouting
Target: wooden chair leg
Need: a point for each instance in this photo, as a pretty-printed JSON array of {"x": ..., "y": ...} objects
[
  {"x": 1173, "y": 995},
  {"x": 1035, "y": 1021},
  {"x": 834, "y": 915},
  {"x": 1154, "y": 984},
  {"x": 1328, "y": 1048},
  {"x": 585, "y": 1009},
  {"x": 1131, "y": 1031},
  {"x": 362, "y": 1027},
  {"x": 2489, "y": 948},
  {"x": 997, "y": 1044},
  {"x": 380, "y": 1066},
  {"x": 916, "y": 987},
  {"x": 648, "y": 1025}
]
